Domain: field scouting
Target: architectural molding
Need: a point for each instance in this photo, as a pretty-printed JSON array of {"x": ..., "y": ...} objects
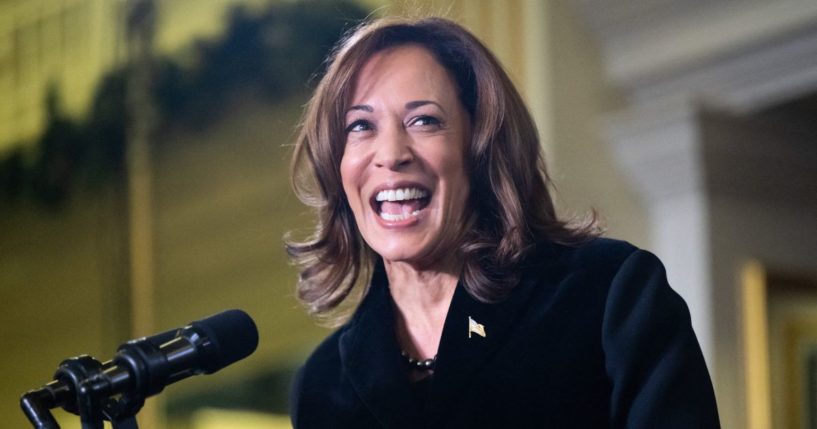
[
  {"x": 658, "y": 148},
  {"x": 671, "y": 149},
  {"x": 741, "y": 55}
]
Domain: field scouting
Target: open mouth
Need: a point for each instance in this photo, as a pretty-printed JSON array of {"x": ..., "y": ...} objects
[{"x": 400, "y": 204}]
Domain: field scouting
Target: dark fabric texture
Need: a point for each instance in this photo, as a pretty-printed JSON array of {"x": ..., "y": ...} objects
[{"x": 592, "y": 337}]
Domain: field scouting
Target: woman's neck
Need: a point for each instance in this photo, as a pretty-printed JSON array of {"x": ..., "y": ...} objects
[{"x": 422, "y": 298}]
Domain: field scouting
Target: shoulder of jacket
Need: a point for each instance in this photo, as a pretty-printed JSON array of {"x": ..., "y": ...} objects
[
  {"x": 309, "y": 382},
  {"x": 599, "y": 252},
  {"x": 326, "y": 353}
]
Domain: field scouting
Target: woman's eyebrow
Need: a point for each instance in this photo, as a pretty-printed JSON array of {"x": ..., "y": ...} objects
[
  {"x": 364, "y": 107},
  {"x": 411, "y": 105}
]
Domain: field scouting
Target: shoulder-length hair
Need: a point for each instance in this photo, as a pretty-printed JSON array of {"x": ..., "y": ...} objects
[{"x": 511, "y": 205}]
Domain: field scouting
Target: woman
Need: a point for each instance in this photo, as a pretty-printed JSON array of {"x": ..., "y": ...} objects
[{"x": 478, "y": 307}]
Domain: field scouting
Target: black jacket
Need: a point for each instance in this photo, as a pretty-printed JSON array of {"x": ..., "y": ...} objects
[{"x": 592, "y": 337}]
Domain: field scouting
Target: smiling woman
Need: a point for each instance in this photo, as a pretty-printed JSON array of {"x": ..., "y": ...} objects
[
  {"x": 501, "y": 157},
  {"x": 480, "y": 307},
  {"x": 403, "y": 166}
]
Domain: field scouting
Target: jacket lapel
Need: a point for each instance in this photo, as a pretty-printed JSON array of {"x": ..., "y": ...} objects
[
  {"x": 371, "y": 358},
  {"x": 460, "y": 356}
]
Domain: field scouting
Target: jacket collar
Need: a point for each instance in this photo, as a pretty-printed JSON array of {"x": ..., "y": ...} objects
[{"x": 371, "y": 356}]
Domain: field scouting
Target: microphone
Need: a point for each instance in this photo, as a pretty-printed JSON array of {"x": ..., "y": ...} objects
[{"x": 143, "y": 367}]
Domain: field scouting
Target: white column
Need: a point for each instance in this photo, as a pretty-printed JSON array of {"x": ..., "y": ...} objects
[{"x": 660, "y": 151}]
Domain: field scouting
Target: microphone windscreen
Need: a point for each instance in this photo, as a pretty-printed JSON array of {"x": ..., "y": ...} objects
[{"x": 233, "y": 334}]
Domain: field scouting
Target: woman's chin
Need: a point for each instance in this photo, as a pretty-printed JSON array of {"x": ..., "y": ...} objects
[
  {"x": 421, "y": 256},
  {"x": 400, "y": 254}
]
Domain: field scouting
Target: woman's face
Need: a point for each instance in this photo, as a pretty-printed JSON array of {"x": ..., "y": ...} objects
[{"x": 403, "y": 164}]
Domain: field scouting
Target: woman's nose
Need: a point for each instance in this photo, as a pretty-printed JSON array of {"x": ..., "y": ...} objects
[{"x": 393, "y": 149}]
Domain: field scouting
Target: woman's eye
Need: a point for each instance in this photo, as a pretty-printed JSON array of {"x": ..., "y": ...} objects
[
  {"x": 358, "y": 126},
  {"x": 425, "y": 121}
]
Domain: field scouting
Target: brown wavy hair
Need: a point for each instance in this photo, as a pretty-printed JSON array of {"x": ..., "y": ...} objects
[{"x": 510, "y": 202}]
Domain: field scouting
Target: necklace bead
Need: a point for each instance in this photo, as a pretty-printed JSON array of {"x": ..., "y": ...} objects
[{"x": 419, "y": 364}]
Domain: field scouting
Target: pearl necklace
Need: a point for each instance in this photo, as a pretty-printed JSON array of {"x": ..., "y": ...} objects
[{"x": 419, "y": 364}]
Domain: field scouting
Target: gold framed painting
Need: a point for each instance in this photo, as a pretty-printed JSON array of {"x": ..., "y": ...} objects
[{"x": 779, "y": 324}]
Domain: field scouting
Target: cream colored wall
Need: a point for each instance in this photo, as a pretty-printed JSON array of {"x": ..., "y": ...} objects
[
  {"x": 62, "y": 282},
  {"x": 584, "y": 169},
  {"x": 222, "y": 205}
]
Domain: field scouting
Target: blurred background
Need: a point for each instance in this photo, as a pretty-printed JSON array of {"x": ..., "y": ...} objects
[{"x": 144, "y": 149}]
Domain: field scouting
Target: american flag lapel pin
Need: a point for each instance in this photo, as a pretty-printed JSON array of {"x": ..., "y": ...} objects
[{"x": 475, "y": 328}]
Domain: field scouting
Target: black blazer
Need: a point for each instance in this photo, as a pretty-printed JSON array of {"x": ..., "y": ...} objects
[{"x": 592, "y": 337}]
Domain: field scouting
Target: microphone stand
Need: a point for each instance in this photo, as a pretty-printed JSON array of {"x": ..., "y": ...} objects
[
  {"x": 116, "y": 390},
  {"x": 81, "y": 388}
]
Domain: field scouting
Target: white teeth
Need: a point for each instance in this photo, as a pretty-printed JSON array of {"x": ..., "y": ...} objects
[
  {"x": 403, "y": 194},
  {"x": 398, "y": 217},
  {"x": 400, "y": 194}
]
